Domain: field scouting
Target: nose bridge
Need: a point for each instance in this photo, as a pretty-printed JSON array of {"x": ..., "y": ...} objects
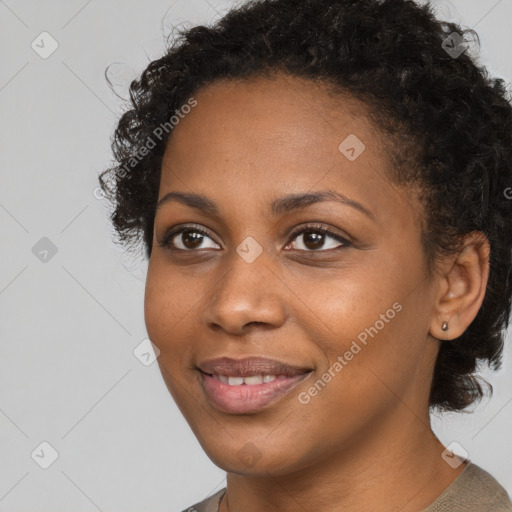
[{"x": 246, "y": 293}]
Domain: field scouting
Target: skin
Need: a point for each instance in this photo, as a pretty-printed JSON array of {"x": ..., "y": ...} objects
[{"x": 364, "y": 441}]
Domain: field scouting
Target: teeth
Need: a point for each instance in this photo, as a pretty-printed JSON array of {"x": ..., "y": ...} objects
[
  {"x": 253, "y": 379},
  {"x": 235, "y": 381},
  {"x": 250, "y": 380}
]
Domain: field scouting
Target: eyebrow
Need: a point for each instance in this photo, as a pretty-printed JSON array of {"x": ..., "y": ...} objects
[{"x": 279, "y": 206}]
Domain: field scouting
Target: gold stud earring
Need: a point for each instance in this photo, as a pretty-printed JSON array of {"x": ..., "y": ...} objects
[{"x": 444, "y": 327}]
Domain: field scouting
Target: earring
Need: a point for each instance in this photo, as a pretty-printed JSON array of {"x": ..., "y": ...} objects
[{"x": 444, "y": 327}]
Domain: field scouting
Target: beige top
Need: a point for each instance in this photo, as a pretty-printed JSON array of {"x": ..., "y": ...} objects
[{"x": 474, "y": 490}]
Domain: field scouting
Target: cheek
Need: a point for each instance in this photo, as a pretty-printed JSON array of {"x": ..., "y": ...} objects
[
  {"x": 373, "y": 365},
  {"x": 356, "y": 305},
  {"x": 164, "y": 305},
  {"x": 371, "y": 336},
  {"x": 154, "y": 300}
]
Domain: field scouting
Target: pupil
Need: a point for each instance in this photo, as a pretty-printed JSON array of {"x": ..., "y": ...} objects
[
  {"x": 192, "y": 239},
  {"x": 317, "y": 239}
]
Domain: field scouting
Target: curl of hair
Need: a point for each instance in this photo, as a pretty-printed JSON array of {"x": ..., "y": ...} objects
[{"x": 448, "y": 123}]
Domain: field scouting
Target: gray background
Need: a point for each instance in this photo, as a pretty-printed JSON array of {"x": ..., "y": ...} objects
[{"x": 70, "y": 321}]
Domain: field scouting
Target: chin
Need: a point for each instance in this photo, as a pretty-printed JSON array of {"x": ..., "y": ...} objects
[{"x": 250, "y": 460}]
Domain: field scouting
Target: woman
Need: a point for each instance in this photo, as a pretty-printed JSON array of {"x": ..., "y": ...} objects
[{"x": 321, "y": 188}]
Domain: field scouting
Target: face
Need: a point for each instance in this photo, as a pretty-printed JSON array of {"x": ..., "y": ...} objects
[{"x": 333, "y": 286}]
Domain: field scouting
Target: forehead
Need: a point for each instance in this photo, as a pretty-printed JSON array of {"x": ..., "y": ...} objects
[
  {"x": 281, "y": 119},
  {"x": 272, "y": 105},
  {"x": 263, "y": 137}
]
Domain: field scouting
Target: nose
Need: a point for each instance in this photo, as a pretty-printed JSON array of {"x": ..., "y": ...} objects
[{"x": 249, "y": 294}]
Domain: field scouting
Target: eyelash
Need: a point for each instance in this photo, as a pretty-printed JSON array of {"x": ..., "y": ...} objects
[{"x": 314, "y": 228}]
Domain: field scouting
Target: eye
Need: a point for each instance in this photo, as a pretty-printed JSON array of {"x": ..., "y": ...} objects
[
  {"x": 194, "y": 236},
  {"x": 314, "y": 236}
]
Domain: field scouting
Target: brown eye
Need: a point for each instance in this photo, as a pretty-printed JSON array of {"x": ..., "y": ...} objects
[
  {"x": 315, "y": 237},
  {"x": 191, "y": 238}
]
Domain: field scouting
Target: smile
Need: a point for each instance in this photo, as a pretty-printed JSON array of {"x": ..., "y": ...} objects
[
  {"x": 250, "y": 394},
  {"x": 250, "y": 380}
]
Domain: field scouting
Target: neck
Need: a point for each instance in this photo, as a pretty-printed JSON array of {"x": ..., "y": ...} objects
[{"x": 383, "y": 470}]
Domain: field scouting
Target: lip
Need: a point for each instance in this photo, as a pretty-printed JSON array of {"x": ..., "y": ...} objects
[
  {"x": 244, "y": 399},
  {"x": 250, "y": 366}
]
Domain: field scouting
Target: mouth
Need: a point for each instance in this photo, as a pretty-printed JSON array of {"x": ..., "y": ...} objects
[{"x": 242, "y": 386}]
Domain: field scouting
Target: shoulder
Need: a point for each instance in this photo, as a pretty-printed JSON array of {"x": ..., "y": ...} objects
[
  {"x": 210, "y": 504},
  {"x": 473, "y": 490}
]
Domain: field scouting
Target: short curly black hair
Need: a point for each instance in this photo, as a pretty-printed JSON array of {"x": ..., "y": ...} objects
[{"x": 449, "y": 125}]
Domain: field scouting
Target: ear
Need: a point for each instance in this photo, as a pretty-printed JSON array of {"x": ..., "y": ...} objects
[{"x": 462, "y": 284}]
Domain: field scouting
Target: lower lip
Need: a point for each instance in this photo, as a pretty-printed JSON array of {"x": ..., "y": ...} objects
[{"x": 244, "y": 398}]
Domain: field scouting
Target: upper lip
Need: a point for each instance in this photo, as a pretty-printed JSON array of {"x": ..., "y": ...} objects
[{"x": 249, "y": 366}]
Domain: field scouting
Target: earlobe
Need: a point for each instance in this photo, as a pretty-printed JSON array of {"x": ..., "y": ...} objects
[{"x": 462, "y": 288}]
